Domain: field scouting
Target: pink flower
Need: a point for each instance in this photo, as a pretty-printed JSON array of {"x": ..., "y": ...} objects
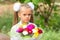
[
  {"x": 20, "y": 30},
  {"x": 31, "y": 26},
  {"x": 28, "y": 30}
]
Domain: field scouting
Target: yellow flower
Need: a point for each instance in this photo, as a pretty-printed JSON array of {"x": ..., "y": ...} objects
[
  {"x": 36, "y": 35},
  {"x": 24, "y": 25},
  {"x": 35, "y": 31}
]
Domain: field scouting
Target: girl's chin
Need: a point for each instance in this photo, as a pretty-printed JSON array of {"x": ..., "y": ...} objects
[{"x": 26, "y": 21}]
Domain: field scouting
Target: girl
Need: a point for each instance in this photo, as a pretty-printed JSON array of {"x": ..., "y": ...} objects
[{"x": 25, "y": 13}]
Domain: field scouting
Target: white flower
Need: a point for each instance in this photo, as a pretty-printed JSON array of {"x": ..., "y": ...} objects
[
  {"x": 16, "y": 6},
  {"x": 25, "y": 32},
  {"x": 31, "y": 5},
  {"x": 34, "y": 30}
]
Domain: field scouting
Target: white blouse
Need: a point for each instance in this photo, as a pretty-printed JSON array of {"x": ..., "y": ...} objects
[{"x": 17, "y": 36}]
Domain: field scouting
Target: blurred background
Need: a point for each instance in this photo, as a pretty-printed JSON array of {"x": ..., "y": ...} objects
[{"x": 46, "y": 16}]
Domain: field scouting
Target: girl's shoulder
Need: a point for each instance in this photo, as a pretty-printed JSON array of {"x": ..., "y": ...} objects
[{"x": 15, "y": 27}]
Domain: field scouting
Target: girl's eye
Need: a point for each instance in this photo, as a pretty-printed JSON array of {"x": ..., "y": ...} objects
[
  {"x": 29, "y": 14},
  {"x": 24, "y": 14}
]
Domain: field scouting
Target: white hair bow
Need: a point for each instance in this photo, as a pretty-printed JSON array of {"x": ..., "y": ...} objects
[
  {"x": 17, "y": 5},
  {"x": 31, "y": 5}
]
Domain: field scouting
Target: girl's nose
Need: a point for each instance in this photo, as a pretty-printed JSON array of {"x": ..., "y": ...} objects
[{"x": 27, "y": 15}]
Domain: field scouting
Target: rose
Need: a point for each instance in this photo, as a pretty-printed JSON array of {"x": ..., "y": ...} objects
[
  {"x": 37, "y": 30},
  {"x": 31, "y": 26},
  {"x": 28, "y": 30},
  {"x": 20, "y": 30},
  {"x": 40, "y": 31}
]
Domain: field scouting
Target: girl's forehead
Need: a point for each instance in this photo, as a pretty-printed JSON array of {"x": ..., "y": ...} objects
[{"x": 25, "y": 9}]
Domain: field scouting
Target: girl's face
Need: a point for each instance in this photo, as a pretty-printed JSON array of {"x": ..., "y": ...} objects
[{"x": 25, "y": 14}]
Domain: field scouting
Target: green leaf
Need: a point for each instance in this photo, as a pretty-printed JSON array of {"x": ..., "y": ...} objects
[
  {"x": 22, "y": 1},
  {"x": 55, "y": 8},
  {"x": 48, "y": 1},
  {"x": 35, "y": 2},
  {"x": 26, "y": 1}
]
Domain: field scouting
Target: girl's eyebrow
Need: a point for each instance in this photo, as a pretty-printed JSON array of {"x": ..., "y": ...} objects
[{"x": 29, "y": 14}]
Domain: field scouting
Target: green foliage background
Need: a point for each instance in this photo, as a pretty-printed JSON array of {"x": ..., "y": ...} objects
[{"x": 50, "y": 33}]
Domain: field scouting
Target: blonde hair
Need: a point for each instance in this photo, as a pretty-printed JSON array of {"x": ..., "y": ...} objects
[{"x": 16, "y": 14}]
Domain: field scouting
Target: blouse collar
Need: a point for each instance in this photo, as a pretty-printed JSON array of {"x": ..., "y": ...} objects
[{"x": 20, "y": 22}]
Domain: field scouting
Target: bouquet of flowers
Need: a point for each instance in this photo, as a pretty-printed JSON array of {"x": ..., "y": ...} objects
[{"x": 30, "y": 30}]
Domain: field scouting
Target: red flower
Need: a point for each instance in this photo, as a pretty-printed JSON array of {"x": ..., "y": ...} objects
[
  {"x": 20, "y": 30},
  {"x": 28, "y": 30},
  {"x": 40, "y": 31}
]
